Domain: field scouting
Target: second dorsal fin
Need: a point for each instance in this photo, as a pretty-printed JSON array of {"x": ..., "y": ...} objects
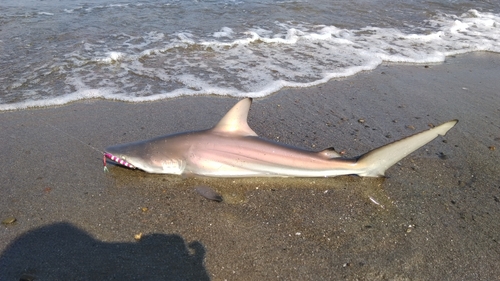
[{"x": 329, "y": 153}]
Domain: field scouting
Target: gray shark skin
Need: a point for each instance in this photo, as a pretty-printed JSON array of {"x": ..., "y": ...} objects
[{"x": 233, "y": 149}]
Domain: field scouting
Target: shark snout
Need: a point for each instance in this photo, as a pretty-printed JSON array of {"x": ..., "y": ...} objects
[
  {"x": 118, "y": 160},
  {"x": 122, "y": 155}
]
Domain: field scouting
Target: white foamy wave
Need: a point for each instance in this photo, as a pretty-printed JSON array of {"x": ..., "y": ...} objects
[
  {"x": 45, "y": 13},
  {"x": 255, "y": 62},
  {"x": 60, "y": 100},
  {"x": 111, "y": 57},
  {"x": 224, "y": 32}
]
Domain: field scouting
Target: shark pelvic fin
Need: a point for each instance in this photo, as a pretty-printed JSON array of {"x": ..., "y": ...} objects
[
  {"x": 235, "y": 120},
  {"x": 375, "y": 162}
]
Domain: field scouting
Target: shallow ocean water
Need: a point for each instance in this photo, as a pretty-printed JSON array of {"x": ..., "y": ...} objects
[{"x": 55, "y": 53}]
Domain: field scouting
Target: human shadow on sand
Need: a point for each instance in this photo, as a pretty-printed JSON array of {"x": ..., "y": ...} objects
[{"x": 64, "y": 252}]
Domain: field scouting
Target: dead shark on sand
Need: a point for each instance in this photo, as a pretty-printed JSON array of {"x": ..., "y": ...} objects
[{"x": 233, "y": 149}]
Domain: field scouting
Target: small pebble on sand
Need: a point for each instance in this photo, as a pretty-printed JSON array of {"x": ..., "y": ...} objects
[{"x": 9, "y": 220}]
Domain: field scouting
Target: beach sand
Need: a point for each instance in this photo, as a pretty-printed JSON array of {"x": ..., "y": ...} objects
[{"x": 435, "y": 216}]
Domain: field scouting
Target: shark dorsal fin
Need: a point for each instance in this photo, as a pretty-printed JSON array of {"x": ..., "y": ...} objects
[{"x": 235, "y": 120}]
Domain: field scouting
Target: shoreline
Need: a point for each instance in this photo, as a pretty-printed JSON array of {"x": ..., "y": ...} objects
[{"x": 433, "y": 218}]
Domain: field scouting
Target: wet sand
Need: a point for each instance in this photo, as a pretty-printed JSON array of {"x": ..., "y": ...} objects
[{"x": 435, "y": 216}]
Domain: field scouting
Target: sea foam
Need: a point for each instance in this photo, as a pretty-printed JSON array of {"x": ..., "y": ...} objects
[{"x": 255, "y": 62}]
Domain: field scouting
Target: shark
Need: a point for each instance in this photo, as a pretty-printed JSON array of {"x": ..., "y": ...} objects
[{"x": 232, "y": 149}]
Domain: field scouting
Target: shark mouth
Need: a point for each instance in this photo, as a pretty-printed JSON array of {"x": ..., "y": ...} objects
[{"x": 116, "y": 160}]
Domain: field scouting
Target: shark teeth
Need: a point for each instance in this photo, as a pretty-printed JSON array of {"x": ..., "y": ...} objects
[{"x": 117, "y": 160}]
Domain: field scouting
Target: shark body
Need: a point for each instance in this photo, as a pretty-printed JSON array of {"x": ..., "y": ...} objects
[{"x": 233, "y": 149}]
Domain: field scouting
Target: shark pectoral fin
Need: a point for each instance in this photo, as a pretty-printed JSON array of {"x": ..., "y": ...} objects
[
  {"x": 377, "y": 161},
  {"x": 329, "y": 153},
  {"x": 235, "y": 120}
]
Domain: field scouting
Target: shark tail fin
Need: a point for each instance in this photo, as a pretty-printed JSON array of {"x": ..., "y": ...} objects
[{"x": 375, "y": 162}]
